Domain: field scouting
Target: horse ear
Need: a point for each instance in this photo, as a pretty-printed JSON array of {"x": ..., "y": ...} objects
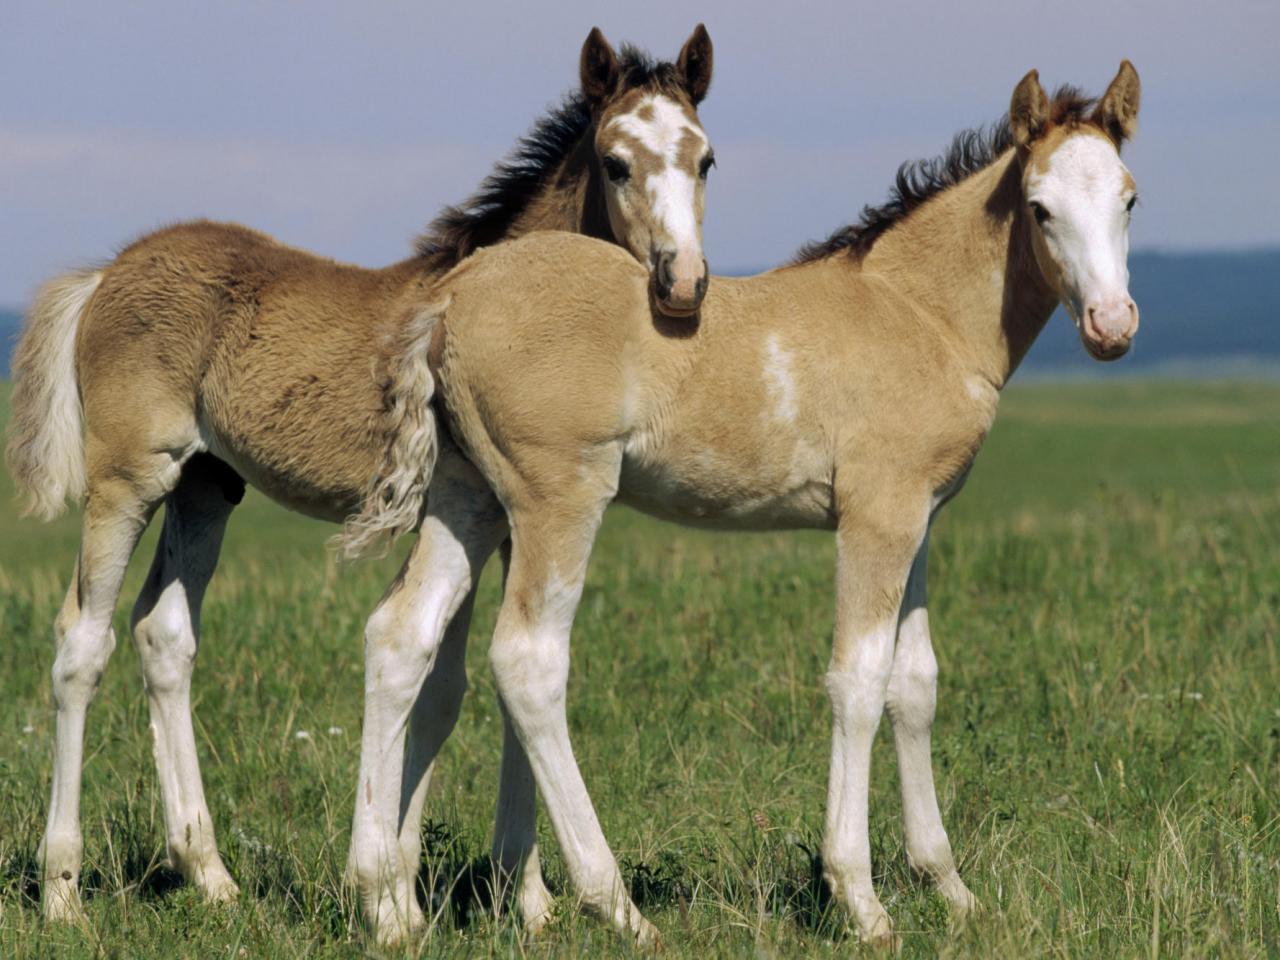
[
  {"x": 1029, "y": 110},
  {"x": 694, "y": 64},
  {"x": 598, "y": 67},
  {"x": 1117, "y": 111}
]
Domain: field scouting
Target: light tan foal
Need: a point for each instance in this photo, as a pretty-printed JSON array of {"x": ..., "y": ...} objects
[
  {"x": 850, "y": 391},
  {"x": 207, "y": 355}
]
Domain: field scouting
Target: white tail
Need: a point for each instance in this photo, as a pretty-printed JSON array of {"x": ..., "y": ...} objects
[
  {"x": 45, "y": 451},
  {"x": 397, "y": 493}
]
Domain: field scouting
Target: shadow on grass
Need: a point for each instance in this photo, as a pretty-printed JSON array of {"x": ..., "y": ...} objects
[
  {"x": 20, "y": 880},
  {"x": 781, "y": 879},
  {"x": 454, "y": 883},
  {"x": 143, "y": 878}
]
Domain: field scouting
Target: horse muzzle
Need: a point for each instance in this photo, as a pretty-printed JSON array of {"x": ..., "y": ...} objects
[
  {"x": 1107, "y": 327},
  {"x": 679, "y": 283}
]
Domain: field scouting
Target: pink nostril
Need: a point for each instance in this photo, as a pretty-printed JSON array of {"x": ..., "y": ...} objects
[{"x": 1091, "y": 323}]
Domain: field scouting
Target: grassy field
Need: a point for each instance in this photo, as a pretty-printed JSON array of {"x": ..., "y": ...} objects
[{"x": 1105, "y": 603}]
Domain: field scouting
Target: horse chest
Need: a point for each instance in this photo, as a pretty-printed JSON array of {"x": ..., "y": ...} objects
[{"x": 959, "y": 431}]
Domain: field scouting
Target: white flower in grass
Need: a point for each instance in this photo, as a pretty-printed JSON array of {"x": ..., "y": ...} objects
[
  {"x": 302, "y": 735},
  {"x": 336, "y": 731}
]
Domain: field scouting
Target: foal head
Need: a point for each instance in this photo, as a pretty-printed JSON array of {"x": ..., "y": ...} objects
[
  {"x": 652, "y": 161},
  {"x": 1079, "y": 197}
]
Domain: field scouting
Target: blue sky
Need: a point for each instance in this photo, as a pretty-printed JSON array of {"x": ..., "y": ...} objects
[{"x": 343, "y": 127}]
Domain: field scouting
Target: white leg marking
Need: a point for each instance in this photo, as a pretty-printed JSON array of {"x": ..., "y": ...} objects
[
  {"x": 435, "y": 713},
  {"x": 873, "y": 565},
  {"x": 515, "y": 837},
  {"x": 912, "y": 700},
  {"x": 83, "y": 652},
  {"x": 857, "y": 691},
  {"x": 113, "y": 520},
  {"x": 403, "y": 641},
  {"x": 166, "y": 623},
  {"x": 530, "y": 658}
]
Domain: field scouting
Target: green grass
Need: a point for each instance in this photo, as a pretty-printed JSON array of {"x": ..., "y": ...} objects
[{"x": 1105, "y": 603}]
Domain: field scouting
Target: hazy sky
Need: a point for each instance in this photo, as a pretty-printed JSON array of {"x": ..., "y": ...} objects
[{"x": 344, "y": 126}]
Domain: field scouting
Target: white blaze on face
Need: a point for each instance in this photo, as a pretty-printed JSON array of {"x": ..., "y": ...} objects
[
  {"x": 672, "y": 192},
  {"x": 1085, "y": 189}
]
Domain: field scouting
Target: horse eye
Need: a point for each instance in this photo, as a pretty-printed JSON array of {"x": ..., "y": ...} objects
[
  {"x": 615, "y": 169},
  {"x": 1039, "y": 212},
  {"x": 705, "y": 166},
  {"x": 1132, "y": 202}
]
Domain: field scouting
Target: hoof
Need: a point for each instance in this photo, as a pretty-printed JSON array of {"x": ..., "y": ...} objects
[
  {"x": 647, "y": 937},
  {"x": 395, "y": 920},
  {"x": 218, "y": 887},
  {"x": 879, "y": 934},
  {"x": 537, "y": 907},
  {"x": 61, "y": 903},
  {"x": 963, "y": 904},
  {"x": 534, "y": 925},
  {"x": 393, "y": 933}
]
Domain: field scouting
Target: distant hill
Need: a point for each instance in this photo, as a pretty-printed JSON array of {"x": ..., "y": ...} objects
[{"x": 1203, "y": 314}]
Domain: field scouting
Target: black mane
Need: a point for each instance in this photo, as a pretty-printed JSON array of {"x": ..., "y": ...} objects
[
  {"x": 920, "y": 180},
  {"x": 484, "y": 217}
]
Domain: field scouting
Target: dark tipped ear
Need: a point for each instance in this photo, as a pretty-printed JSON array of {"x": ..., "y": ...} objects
[
  {"x": 1117, "y": 111},
  {"x": 1029, "y": 109},
  {"x": 694, "y": 64},
  {"x": 598, "y": 67}
]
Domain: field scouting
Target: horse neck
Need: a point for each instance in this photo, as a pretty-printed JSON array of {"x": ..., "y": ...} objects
[
  {"x": 965, "y": 258},
  {"x": 571, "y": 198}
]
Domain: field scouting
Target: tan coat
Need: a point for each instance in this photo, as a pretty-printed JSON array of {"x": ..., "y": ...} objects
[
  {"x": 850, "y": 391},
  {"x": 207, "y": 354}
]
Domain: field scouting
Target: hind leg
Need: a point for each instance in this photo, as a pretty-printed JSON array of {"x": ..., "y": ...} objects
[
  {"x": 515, "y": 833},
  {"x": 435, "y": 713},
  {"x": 166, "y": 630},
  {"x": 439, "y": 701},
  {"x": 404, "y": 647},
  {"x": 515, "y": 836},
  {"x": 119, "y": 503}
]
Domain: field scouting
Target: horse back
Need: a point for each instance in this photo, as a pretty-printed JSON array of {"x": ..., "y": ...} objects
[{"x": 271, "y": 354}]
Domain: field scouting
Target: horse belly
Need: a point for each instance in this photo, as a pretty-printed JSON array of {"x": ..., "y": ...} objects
[
  {"x": 316, "y": 486},
  {"x": 311, "y": 456},
  {"x": 709, "y": 490}
]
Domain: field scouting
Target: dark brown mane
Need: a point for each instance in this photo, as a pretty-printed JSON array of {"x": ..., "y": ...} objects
[
  {"x": 918, "y": 181},
  {"x": 484, "y": 217}
]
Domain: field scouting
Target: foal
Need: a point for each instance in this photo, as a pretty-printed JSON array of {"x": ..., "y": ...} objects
[
  {"x": 206, "y": 353},
  {"x": 849, "y": 391}
]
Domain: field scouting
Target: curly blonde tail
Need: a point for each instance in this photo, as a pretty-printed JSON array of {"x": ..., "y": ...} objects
[{"x": 397, "y": 493}]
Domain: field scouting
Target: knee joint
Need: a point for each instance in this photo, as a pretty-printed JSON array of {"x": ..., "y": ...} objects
[
  {"x": 530, "y": 671},
  {"x": 82, "y": 656},
  {"x": 915, "y": 683},
  {"x": 398, "y": 642},
  {"x": 167, "y": 645},
  {"x": 858, "y": 696},
  {"x": 912, "y": 691}
]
